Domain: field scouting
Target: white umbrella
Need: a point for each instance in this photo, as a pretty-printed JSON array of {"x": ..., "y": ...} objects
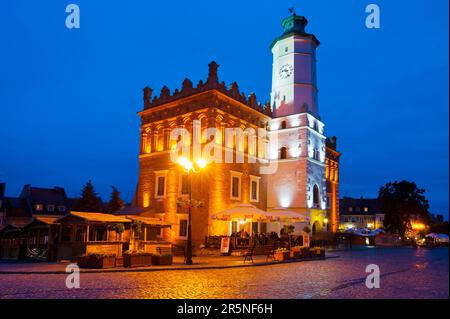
[
  {"x": 243, "y": 211},
  {"x": 285, "y": 214}
]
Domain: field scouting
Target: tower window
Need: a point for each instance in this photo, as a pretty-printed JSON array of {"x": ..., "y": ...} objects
[
  {"x": 283, "y": 153},
  {"x": 316, "y": 196},
  {"x": 286, "y": 49},
  {"x": 283, "y": 125}
]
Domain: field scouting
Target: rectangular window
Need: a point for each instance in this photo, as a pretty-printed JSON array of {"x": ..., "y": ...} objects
[
  {"x": 254, "y": 188},
  {"x": 235, "y": 187},
  {"x": 61, "y": 209},
  {"x": 50, "y": 208},
  {"x": 366, "y": 209},
  {"x": 39, "y": 207},
  {"x": 184, "y": 184},
  {"x": 183, "y": 228},
  {"x": 160, "y": 183}
]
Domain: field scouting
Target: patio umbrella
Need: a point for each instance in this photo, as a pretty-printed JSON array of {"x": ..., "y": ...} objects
[
  {"x": 243, "y": 211},
  {"x": 287, "y": 215}
]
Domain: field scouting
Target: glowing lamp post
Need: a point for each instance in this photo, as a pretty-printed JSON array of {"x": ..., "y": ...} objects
[{"x": 190, "y": 167}]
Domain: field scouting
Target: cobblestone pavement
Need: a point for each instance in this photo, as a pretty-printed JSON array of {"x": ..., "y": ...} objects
[{"x": 405, "y": 273}]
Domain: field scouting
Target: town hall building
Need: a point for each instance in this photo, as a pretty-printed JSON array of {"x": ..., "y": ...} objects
[{"x": 289, "y": 174}]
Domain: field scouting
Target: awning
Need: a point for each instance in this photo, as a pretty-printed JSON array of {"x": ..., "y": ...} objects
[
  {"x": 283, "y": 214},
  {"x": 243, "y": 211},
  {"x": 94, "y": 218},
  {"x": 150, "y": 221}
]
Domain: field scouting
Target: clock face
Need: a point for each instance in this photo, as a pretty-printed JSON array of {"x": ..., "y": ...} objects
[{"x": 286, "y": 71}]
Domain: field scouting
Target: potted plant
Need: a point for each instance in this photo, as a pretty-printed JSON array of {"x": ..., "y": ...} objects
[
  {"x": 136, "y": 259},
  {"x": 304, "y": 252},
  {"x": 159, "y": 260},
  {"x": 295, "y": 252},
  {"x": 97, "y": 261},
  {"x": 281, "y": 254}
]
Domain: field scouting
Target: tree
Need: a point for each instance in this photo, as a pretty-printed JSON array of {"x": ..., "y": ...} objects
[
  {"x": 399, "y": 201},
  {"x": 115, "y": 202},
  {"x": 89, "y": 200}
]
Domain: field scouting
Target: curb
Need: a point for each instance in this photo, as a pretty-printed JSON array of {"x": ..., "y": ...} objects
[{"x": 122, "y": 270}]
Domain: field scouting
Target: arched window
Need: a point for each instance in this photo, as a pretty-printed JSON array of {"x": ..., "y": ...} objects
[
  {"x": 316, "y": 196},
  {"x": 283, "y": 153},
  {"x": 283, "y": 125}
]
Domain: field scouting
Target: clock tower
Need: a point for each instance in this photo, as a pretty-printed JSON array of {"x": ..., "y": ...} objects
[
  {"x": 299, "y": 143},
  {"x": 294, "y": 83}
]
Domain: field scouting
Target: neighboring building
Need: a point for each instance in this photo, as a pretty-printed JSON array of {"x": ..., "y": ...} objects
[
  {"x": 332, "y": 176},
  {"x": 34, "y": 201},
  {"x": 306, "y": 163},
  {"x": 360, "y": 213},
  {"x": 45, "y": 201}
]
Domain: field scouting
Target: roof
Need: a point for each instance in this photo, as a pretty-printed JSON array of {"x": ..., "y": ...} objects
[
  {"x": 46, "y": 196},
  {"x": 358, "y": 205},
  {"x": 149, "y": 221},
  {"x": 96, "y": 217},
  {"x": 295, "y": 26},
  {"x": 49, "y": 220}
]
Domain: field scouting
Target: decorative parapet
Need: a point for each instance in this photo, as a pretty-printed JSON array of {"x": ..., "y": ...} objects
[{"x": 212, "y": 83}]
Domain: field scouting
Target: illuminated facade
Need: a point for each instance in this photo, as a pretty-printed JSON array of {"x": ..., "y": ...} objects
[
  {"x": 300, "y": 154},
  {"x": 299, "y": 183}
]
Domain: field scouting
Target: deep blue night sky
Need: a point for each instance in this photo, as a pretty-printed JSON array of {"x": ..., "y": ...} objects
[{"x": 69, "y": 98}]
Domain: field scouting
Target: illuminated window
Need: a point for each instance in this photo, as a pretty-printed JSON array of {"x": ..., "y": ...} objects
[
  {"x": 39, "y": 207},
  {"x": 366, "y": 209},
  {"x": 182, "y": 232},
  {"x": 350, "y": 209}
]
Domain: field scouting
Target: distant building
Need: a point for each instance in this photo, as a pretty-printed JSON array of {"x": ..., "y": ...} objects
[
  {"x": 48, "y": 201},
  {"x": 360, "y": 213},
  {"x": 332, "y": 180},
  {"x": 32, "y": 201}
]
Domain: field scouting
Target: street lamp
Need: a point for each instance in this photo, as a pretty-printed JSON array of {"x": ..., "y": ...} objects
[{"x": 190, "y": 167}]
